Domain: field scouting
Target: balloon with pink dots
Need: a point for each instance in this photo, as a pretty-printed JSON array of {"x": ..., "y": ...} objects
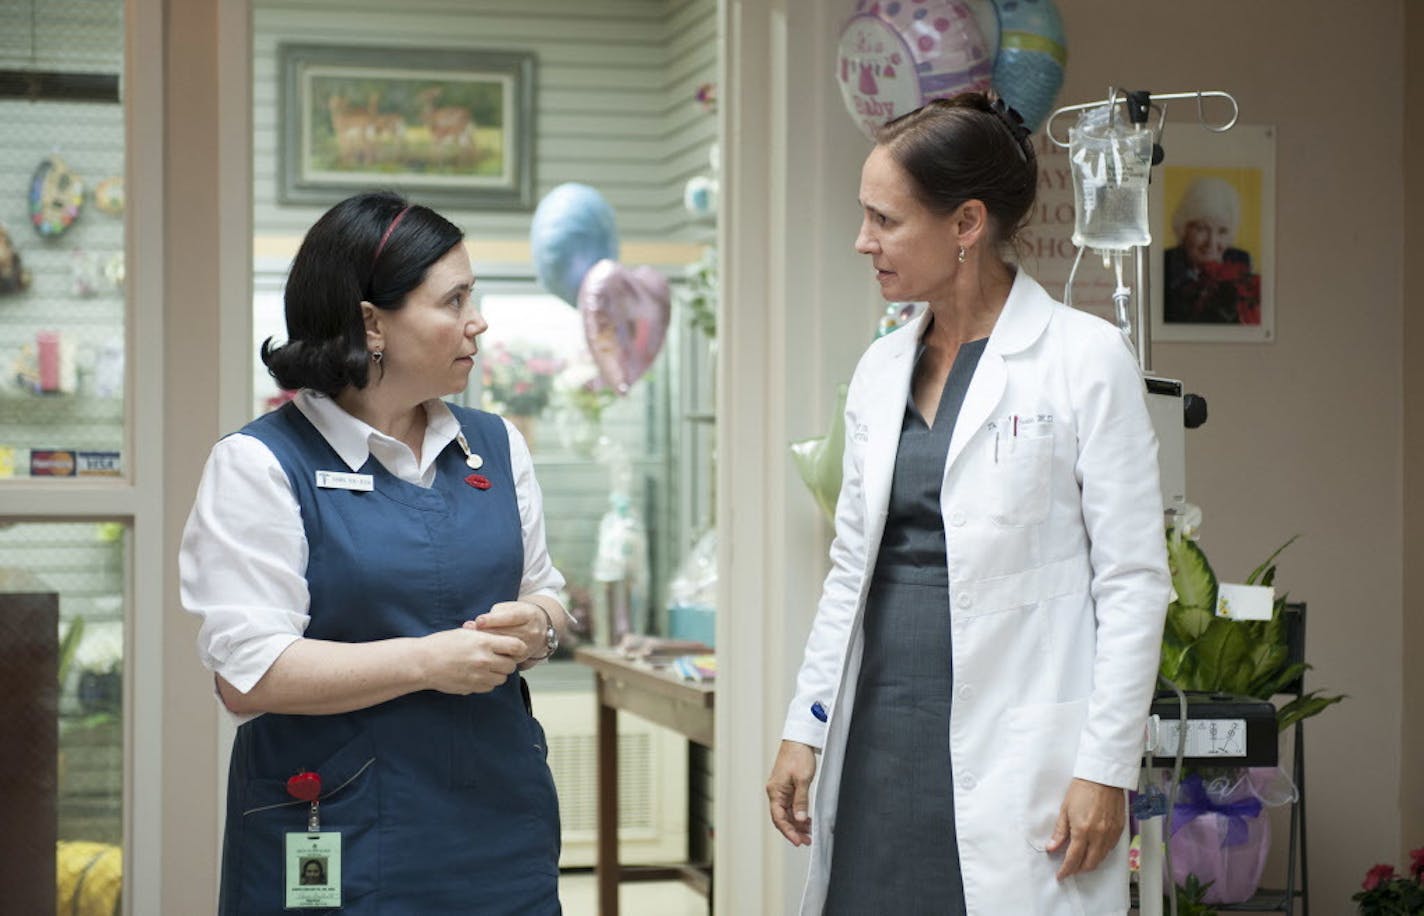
[{"x": 894, "y": 56}]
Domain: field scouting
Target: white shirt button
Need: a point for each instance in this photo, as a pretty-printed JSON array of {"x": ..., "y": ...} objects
[
  {"x": 957, "y": 519},
  {"x": 967, "y": 782},
  {"x": 966, "y": 692},
  {"x": 963, "y": 600}
]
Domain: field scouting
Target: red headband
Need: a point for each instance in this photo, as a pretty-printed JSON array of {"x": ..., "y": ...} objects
[{"x": 389, "y": 229}]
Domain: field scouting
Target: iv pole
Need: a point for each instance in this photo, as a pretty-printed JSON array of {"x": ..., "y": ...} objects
[
  {"x": 1142, "y": 326},
  {"x": 1153, "y": 851}
]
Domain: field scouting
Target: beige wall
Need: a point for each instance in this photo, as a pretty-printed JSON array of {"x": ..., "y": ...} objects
[
  {"x": 192, "y": 360},
  {"x": 1411, "y": 795},
  {"x": 1305, "y": 433}
]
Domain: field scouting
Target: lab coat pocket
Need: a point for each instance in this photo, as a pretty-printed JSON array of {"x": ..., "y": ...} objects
[
  {"x": 1044, "y": 738},
  {"x": 1023, "y": 461}
]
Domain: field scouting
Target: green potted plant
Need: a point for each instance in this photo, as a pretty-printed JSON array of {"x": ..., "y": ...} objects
[
  {"x": 1217, "y": 833},
  {"x": 1201, "y": 651}
]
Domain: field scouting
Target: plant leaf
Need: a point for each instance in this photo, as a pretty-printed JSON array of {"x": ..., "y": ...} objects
[
  {"x": 1223, "y": 659},
  {"x": 1268, "y": 565},
  {"x": 1269, "y": 687},
  {"x": 1303, "y": 708},
  {"x": 1192, "y": 575}
]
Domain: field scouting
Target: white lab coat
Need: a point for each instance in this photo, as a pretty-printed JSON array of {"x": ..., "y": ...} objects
[{"x": 1058, "y": 586}]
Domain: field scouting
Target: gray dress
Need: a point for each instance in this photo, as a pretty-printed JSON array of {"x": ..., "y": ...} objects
[{"x": 895, "y": 845}]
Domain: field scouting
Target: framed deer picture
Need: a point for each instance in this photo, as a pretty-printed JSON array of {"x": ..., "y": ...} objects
[{"x": 453, "y": 128}]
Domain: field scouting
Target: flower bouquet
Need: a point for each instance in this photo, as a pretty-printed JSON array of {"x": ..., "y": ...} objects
[
  {"x": 1385, "y": 893},
  {"x": 518, "y": 382},
  {"x": 1220, "y": 292}
]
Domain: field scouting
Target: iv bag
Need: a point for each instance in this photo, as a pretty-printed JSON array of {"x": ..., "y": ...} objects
[{"x": 1111, "y": 161}]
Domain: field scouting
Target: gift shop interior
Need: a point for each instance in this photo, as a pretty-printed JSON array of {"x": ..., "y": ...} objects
[{"x": 659, "y": 203}]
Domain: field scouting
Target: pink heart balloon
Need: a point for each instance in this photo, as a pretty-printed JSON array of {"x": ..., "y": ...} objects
[{"x": 625, "y": 318}]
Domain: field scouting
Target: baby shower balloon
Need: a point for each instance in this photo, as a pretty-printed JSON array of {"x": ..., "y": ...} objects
[
  {"x": 1028, "y": 71},
  {"x": 986, "y": 16},
  {"x": 895, "y": 56},
  {"x": 572, "y": 230},
  {"x": 625, "y": 319}
]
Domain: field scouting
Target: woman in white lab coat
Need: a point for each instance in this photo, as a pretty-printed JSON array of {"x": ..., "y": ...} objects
[{"x": 979, "y": 671}]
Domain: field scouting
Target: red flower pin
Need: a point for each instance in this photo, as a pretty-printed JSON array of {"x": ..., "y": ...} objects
[
  {"x": 305, "y": 786},
  {"x": 478, "y": 481}
]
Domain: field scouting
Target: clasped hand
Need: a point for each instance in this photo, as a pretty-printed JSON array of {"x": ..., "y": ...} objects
[{"x": 484, "y": 652}]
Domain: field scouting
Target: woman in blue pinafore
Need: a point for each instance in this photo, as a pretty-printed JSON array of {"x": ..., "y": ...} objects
[{"x": 370, "y": 568}]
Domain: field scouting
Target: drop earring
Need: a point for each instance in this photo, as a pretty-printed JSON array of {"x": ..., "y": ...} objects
[
  {"x": 963, "y": 255},
  {"x": 377, "y": 355}
]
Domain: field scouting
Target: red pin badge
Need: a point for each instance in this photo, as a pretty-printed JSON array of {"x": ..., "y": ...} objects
[
  {"x": 305, "y": 786},
  {"x": 478, "y": 481}
]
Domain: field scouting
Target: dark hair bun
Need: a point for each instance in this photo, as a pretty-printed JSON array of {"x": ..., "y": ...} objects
[{"x": 967, "y": 147}]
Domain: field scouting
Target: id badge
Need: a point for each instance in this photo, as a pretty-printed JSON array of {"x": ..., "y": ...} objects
[{"x": 313, "y": 870}]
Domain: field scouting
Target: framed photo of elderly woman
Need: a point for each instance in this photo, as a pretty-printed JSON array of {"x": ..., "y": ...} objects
[{"x": 1213, "y": 236}]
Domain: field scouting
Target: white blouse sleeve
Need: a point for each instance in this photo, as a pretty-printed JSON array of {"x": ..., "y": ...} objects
[
  {"x": 242, "y": 563},
  {"x": 540, "y": 576}
]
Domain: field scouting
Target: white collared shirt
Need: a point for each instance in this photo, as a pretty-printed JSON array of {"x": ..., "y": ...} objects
[{"x": 243, "y": 559}]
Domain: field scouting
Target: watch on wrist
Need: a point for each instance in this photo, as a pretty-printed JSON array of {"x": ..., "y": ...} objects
[{"x": 551, "y": 635}]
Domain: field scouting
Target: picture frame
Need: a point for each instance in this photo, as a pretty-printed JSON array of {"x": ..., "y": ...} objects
[
  {"x": 1213, "y": 205},
  {"x": 454, "y": 128}
]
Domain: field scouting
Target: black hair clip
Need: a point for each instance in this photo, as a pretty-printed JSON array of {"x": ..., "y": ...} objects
[{"x": 1011, "y": 118}]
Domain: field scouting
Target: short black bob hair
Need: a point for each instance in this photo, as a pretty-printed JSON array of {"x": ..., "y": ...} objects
[{"x": 342, "y": 262}]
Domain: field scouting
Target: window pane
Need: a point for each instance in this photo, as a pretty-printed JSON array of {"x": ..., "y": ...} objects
[
  {"x": 62, "y": 590},
  {"x": 61, "y": 238},
  {"x": 602, "y": 460}
]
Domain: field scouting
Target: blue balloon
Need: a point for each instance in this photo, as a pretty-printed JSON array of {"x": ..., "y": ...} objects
[
  {"x": 572, "y": 230},
  {"x": 1032, "y": 55}
]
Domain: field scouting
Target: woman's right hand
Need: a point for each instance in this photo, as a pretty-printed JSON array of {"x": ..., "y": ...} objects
[
  {"x": 464, "y": 661},
  {"x": 788, "y": 790}
]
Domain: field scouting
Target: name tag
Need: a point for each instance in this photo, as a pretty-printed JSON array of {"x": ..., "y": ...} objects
[
  {"x": 313, "y": 870},
  {"x": 337, "y": 480}
]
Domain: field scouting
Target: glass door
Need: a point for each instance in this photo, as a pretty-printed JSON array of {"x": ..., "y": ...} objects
[{"x": 66, "y": 495}]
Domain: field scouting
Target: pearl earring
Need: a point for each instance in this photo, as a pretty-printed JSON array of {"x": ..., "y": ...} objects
[{"x": 963, "y": 255}]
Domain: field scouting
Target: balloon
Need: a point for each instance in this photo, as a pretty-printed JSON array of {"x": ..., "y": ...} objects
[
  {"x": 986, "y": 16},
  {"x": 895, "y": 56},
  {"x": 625, "y": 318},
  {"x": 572, "y": 229},
  {"x": 1032, "y": 54},
  {"x": 818, "y": 461},
  {"x": 896, "y": 316},
  {"x": 699, "y": 195}
]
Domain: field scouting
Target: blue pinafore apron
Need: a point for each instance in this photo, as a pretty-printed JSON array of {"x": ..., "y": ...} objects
[{"x": 445, "y": 804}]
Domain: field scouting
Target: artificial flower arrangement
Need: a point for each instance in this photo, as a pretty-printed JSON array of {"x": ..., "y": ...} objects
[
  {"x": 518, "y": 382},
  {"x": 1218, "y": 838},
  {"x": 1385, "y": 893},
  {"x": 580, "y": 398}
]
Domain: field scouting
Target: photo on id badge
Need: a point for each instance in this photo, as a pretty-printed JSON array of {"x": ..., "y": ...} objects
[{"x": 313, "y": 870}]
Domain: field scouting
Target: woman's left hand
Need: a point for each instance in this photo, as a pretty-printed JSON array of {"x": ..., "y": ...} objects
[
  {"x": 1090, "y": 822},
  {"x": 523, "y": 620}
]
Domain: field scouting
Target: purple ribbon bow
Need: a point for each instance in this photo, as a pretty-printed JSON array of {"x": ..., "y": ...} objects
[{"x": 1194, "y": 801}]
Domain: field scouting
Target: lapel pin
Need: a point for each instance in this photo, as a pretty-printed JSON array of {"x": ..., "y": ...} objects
[
  {"x": 478, "y": 481},
  {"x": 474, "y": 461}
]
